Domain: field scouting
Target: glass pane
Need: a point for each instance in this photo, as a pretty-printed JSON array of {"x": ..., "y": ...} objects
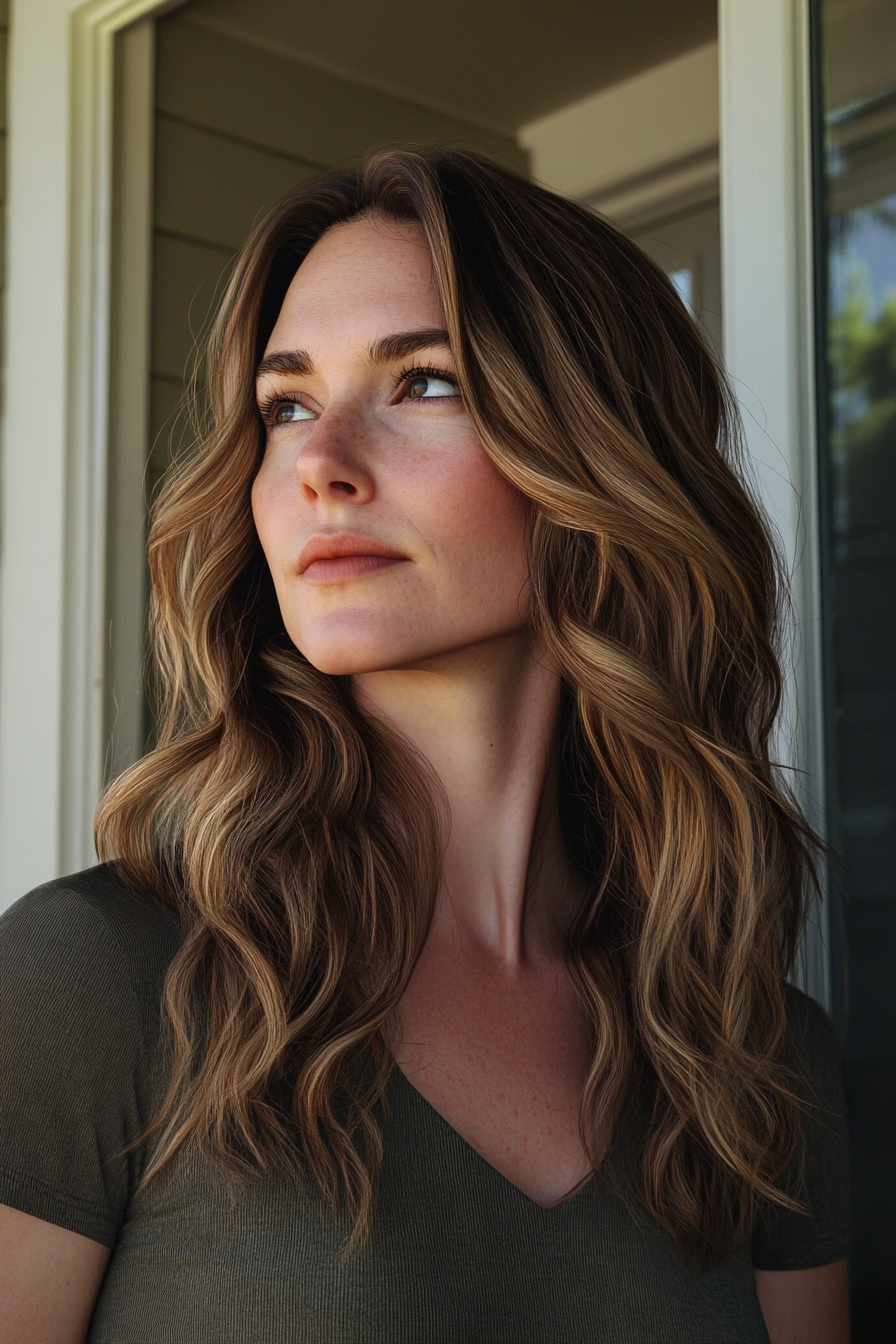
[{"x": 858, "y": 51}]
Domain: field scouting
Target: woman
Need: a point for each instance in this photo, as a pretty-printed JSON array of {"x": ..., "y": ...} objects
[{"x": 461, "y": 857}]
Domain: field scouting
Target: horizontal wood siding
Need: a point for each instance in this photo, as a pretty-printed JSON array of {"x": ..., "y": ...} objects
[{"x": 275, "y": 103}]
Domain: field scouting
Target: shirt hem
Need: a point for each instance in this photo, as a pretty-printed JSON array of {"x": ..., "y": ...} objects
[
  {"x": 28, "y": 1195},
  {"x": 812, "y": 1257}
]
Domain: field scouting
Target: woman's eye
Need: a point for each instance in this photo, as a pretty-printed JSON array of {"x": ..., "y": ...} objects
[
  {"x": 426, "y": 386},
  {"x": 290, "y": 411}
]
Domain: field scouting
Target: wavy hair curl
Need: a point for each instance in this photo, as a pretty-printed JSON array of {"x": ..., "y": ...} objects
[{"x": 299, "y": 844}]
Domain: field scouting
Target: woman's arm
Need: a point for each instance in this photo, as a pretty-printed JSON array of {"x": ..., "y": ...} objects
[
  {"x": 805, "y": 1306},
  {"x": 49, "y": 1280}
]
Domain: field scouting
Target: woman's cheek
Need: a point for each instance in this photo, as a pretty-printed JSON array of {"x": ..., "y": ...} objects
[
  {"x": 271, "y": 507},
  {"x": 480, "y": 521}
]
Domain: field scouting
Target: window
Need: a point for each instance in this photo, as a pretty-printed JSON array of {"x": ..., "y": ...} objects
[{"x": 857, "y": 126}]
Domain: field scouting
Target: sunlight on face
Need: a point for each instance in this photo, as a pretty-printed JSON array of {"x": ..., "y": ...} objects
[{"x": 391, "y": 537}]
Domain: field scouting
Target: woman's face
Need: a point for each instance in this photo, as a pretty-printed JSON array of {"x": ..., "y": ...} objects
[{"x": 391, "y": 537}]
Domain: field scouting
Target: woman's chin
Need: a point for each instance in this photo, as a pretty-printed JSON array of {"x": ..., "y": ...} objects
[
  {"x": 353, "y": 657},
  {"x": 363, "y": 651}
]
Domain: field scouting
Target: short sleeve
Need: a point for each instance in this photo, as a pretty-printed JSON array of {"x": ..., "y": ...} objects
[
  {"x": 820, "y": 1180},
  {"x": 77, "y": 1054}
]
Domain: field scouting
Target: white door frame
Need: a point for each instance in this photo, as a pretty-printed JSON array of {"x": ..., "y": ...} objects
[
  {"x": 55, "y": 430},
  {"x": 56, "y": 411},
  {"x": 767, "y": 306}
]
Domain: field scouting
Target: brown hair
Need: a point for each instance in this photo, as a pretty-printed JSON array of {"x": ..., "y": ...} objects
[{"x": 299, "y": 844}]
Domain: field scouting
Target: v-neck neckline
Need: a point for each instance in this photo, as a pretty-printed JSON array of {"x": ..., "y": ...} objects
[{"x": 457, "y": 1139}]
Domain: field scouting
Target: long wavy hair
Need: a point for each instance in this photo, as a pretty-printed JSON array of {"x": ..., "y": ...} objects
[{"x": 299, "y": 843}]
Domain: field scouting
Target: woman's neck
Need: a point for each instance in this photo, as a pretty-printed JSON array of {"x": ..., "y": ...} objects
[{"x": 486, "y": 721}]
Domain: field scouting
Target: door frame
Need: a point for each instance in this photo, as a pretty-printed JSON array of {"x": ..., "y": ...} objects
[
  {"x": 113, "y": 97},
  {"x": 766, "y": 194},
  {"x": 58, "y": 321}
]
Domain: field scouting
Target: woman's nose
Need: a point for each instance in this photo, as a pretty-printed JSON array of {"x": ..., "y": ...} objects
[{"x": 331, "y": 464}]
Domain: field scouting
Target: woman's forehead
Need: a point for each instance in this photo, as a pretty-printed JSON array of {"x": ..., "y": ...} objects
[
  {"x": 362, "y": 278},
  {"x": 368, "y": 241}
]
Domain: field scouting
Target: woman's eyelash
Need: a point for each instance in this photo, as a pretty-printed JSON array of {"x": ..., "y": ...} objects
[
  {"x": 424, "y": 371},
  {"x": 270, "y": 404}
]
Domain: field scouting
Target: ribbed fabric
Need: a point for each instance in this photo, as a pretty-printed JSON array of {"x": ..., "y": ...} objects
[{"x": 458, "y": 1255}]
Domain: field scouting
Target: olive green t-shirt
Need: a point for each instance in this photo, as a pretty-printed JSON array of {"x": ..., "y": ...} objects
[{"x": 457, "y": 1255}]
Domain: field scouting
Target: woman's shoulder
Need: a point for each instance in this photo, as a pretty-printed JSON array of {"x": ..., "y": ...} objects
[
  {"x": 815, "y": 1039},
  {"x": 91, "y": 925},
  {"x": 84, "y": 960},
  {"x": 818, "y": 1177}
]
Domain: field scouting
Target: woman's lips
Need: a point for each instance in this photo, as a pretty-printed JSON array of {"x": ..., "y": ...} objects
[
  {"x": 343, "y": 567},
  {"x": 336, "y": 557}
]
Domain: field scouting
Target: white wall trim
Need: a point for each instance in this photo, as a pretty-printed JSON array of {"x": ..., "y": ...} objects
[
  {"x": 56, "y": 430},
  {"x": 767, "y": 306},
  {"x": 623, "y": 133},
  {"x": 129, "y": 399},
  {"x": 675, "y": 188},
  {"x": 94, "y": 30}
]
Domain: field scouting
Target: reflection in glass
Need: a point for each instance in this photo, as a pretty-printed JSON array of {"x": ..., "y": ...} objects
[{"x": 859, "y": 60}]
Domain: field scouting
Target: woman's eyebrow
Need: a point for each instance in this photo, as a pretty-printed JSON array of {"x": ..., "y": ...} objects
[
  {"x": 297, "y": 362},
  {"x": 383, "y": 351},
  {"x": 389, "y": 348}
]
